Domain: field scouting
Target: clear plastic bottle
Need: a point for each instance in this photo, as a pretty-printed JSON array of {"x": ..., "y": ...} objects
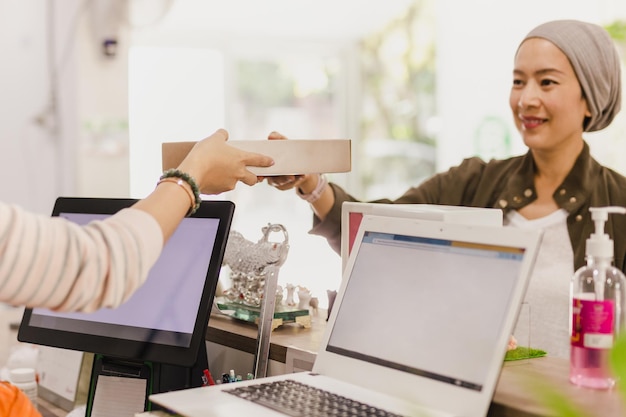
[
  {"x": 24, "y": 379},
  {"x": 597, "y": 294}
]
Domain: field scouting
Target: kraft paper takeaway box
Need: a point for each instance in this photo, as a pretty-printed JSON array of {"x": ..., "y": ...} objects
[{"x": 291, "y": 157}]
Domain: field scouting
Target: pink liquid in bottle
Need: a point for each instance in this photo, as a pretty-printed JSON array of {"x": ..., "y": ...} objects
[{"x": 590, "y": 368}]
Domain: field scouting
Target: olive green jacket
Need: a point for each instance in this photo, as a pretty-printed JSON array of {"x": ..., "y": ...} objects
[{"x": 508, "y": 184}]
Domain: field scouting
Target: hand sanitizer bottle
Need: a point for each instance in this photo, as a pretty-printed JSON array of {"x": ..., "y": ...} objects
[{"x": 597, "y": 292}]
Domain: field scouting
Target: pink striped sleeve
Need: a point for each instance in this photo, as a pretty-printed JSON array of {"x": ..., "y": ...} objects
[{"x": 50, "y": 262}]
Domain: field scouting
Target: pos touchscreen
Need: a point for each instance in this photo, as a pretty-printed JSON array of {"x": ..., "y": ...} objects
[{"x": 165, "y": 320}]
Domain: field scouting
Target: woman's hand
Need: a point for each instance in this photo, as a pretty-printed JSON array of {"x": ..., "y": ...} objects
[
  {"x": 321, "y": 199},
  {"x": 288, "y": 182}
]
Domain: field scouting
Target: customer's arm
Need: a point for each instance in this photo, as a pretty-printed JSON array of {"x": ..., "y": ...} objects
[
  {"x": 50, "y": 262},
  {"x": 216, "y": 168}
]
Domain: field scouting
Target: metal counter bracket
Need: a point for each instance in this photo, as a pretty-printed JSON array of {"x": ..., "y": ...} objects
[{"x": 266, "y": 317}]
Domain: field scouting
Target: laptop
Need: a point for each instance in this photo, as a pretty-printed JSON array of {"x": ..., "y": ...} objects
[
  {"x": 352, "y": 213},
  {"x": 419, "y": 327}
]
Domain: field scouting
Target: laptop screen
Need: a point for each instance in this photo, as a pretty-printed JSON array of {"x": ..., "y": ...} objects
[{"x": 400, "y": 283}]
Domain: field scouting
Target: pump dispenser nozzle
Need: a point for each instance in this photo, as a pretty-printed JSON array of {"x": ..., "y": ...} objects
[{"x": 599, "y": 244}]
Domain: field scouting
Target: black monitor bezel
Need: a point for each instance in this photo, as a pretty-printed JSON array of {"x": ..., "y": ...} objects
[{"x": 130, "y": 349}]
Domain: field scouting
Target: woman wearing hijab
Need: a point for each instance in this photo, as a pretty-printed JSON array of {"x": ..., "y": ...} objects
[{"x": 566, "y": 81}]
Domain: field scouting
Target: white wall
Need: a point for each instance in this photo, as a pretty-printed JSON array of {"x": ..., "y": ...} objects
[
  {"x": 37, "y": 162},
  {"x": 101, "y": 100},
  {"x": 49, "y": 48}
]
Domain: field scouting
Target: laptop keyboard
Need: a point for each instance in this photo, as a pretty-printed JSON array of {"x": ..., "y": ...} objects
[{"x": 299, "y": 400}]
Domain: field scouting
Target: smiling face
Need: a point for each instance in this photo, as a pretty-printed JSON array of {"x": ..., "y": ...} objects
[{"x": 546, "y": 98}]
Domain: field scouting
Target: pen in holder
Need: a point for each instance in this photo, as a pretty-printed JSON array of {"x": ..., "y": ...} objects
[
  {"x": 521, "y": 344},
  {"x": 332, "y": 294}
]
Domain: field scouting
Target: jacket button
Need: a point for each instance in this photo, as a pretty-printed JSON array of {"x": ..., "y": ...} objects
[
  {"x": 572, "y": 199},
  {"x": 517, "y": 199},
  {"x": 528, "y": 192},
  {"x": 503, "y": 203},
  {"x": 579, "y": 217},
  {"x": 562, "y": 191}
]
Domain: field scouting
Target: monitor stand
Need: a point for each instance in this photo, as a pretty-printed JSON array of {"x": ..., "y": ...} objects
[{"x": 120, "y": 386}]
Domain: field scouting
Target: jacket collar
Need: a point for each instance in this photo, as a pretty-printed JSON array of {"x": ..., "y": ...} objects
[{"x": 570, "y": 195}]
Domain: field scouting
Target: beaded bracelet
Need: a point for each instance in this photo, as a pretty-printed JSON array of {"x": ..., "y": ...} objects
[
  {"x": 180, "y": 182},
  {"x": 314, "y": 195},
  {"x": 174, "y": 173}
]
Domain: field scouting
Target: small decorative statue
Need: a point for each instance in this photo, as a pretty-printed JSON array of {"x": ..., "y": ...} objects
[
  {"x": 314, "y": 302},
  {"x": 249, "y": 262},
  {"x": 304, "y": 298},
  {"x": 291, "y": 291}
]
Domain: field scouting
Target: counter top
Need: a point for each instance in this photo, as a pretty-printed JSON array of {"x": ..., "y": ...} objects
[
  {"x": 242, "y": 336},
  {"x": 517, "y": 392},
  {"x": 522, "y": 381}
]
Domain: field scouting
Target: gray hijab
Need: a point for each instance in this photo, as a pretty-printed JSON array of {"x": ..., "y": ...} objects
[{"x": 595, "y": 60}]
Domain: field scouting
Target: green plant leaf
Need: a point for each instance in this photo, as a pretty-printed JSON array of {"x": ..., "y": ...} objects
[
  {"x": 617, "y": 30},
  {"x": 618, "y": 363},
  {"x": 556, "y": 401}
]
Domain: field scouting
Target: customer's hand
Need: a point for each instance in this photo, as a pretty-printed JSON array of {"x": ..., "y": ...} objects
[
  {"x": 287, "y": 182},
  {"x": 217, "y": 166}
]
